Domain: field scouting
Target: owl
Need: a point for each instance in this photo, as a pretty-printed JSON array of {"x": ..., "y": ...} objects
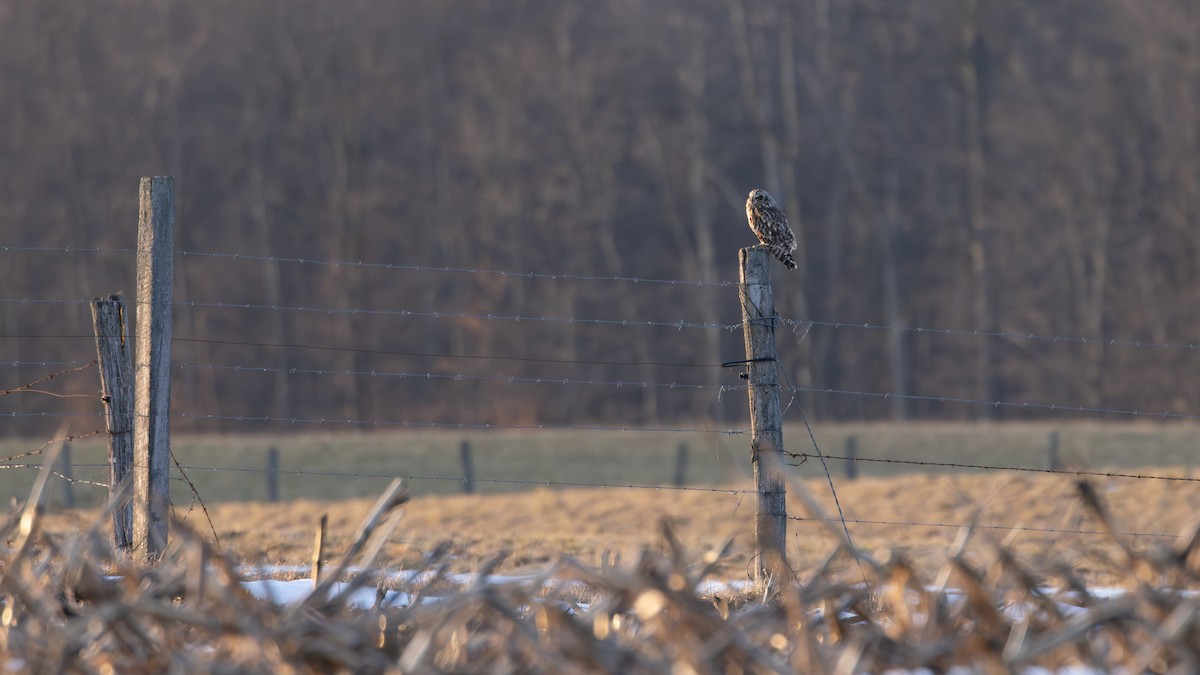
[{"x": 771, "y": 227}]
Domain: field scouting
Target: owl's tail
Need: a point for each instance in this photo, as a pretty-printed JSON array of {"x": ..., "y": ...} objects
[{"x": 785, "y": 258}]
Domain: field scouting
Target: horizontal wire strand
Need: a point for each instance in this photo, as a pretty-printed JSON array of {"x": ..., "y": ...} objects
[
  {"x": 410, "y": 313},
  {"x": 1028, "y": 405},
  {"x": 804, "y": 456},
  {"x": 965, "y": 332},
  {"x": 1007, "y": 335},
  {"x": 1015, "y": 528},
  {"x": 456, "y": 377},
  {"x": 383, "y": 266},
  {"x": 514, "y": 318},
  {"x": 476, "y": 426}
]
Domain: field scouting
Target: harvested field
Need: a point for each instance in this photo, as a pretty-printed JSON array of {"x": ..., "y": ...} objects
[
  {"x": 597, "y": 524},
  {"x": 980, "y": 607}
]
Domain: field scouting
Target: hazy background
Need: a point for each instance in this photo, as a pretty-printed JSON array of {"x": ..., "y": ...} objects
[{"x": 1012, "y": 165}]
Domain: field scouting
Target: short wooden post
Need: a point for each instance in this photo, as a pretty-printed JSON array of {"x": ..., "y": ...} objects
[
  {"x": 319, "y": 550},
  {"x": 1053, "y": 460},
  {"x": 852, "y": 457},
  {"x": 468, "y": 467},
  {"x": 681, "y": 460},
  {"x": 152, "y": 375},
  {"x": 273, "y": 474},
  {"x": 67, "y": 472},
  {"x": 766, "y": 418},
  {"x": 112, "y": 353}
]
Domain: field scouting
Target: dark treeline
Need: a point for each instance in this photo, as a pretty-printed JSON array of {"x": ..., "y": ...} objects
[{"x": 1017, "y": 166}]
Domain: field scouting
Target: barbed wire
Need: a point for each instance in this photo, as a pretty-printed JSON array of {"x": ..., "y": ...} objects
[
  {"x": 488, "y": 316},
  {"x": 462, "y": 270},
  {"x": 412, "y": 313},
  {"x": 62, "y": 476},
  {"x": 445, "y": 355},
  {"x": 679, "y": 324},
  {"x": 383, "y": 266},
  {"x": 804, "y": 456},
  {"x": 15, "y": 364},
  {"x": 1008, "y": 334},
  {"x": 738, "y": 492},
  {"x": 382, "y": 352},
  {"x": 867, "y": 325},
  {"x": 1028, "y": 405},
  {"x": 64, "y": 249},
  {"x": 473, "y": 426},
  {"x": 4, "y": 461},
  {"x": 456, "y": 377},
  {"x": 53, "y": 414},
  {"x": 29, "y": 387},
  {"x": 1016, "y": 528},
  {"x": 461, "y": 479}
]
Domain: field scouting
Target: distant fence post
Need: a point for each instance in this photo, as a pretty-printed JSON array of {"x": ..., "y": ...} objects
[
  {"x": 273, "y": 474},
  {"x": 152, "y": 376},
  {"x": 681, "y": 461},
  {"x": 852, "y": 457},
  {"x": 766, "y": 419},
  {"x": 112, "y": 354},
  {"x": 65, "y": 468},
  {"x": 468, "y": 466},
  {"x": 1053, "y": 459}
]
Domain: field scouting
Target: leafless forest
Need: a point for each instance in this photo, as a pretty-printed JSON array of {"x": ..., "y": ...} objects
[{"x": 1020, "y": 166}]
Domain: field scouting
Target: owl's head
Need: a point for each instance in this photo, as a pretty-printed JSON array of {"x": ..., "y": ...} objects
[{"x": 758, "y": 195}]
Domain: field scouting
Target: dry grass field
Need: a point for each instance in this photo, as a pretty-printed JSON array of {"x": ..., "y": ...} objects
[
  {"x": 612, "y": 591},
  {"x": 345, "y": 472},
  {"x": 599, "y": 525}
]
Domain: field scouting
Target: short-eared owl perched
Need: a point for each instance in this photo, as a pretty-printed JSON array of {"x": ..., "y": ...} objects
[{"x": 771, "y": 227}]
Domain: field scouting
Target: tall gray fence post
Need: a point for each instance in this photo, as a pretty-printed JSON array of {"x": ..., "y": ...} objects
[
  {"x": 1053, "y": 460},
  {"x": 852, "y": 457},
  {"x": 66, "y": 468},
  {"x": 766, "y": 418},
  {"x": 152, "y": 372},
  {"x": 681, "y": 461},
  {"x": 112, "y": 354},
  {"x": 272, "y": 474},
  {"x": 468, "y": 466}
]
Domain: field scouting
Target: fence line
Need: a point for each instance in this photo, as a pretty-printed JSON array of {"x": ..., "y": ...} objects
[
  {"x": 1008, "y": 335},
  {"x": 963, "y": 332},
  {"x": 678, "y": 324},
  {"x": 1054, "y": 407},
  {"x": 384, "y": 266},
  {"x": 15, "y": 364},
  {"x": 474, "y": 426},
  {"x": 1014, "y": 528},
  {"x": 411, "y": 313},
  {"x": 805, "y": 456},
  {"x": 738, "y": 492},
  {"x": 1027, "y": 405},
  {"x": 456, "y": 377},
  {"x": 422, "y": 314},
  {"x": 382, "y": 352}
]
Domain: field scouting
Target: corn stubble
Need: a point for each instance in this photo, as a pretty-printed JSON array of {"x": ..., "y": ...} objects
[{"x": 81, "y": 606}]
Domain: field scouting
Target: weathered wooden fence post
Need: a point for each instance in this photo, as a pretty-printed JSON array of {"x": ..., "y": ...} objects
[
  {"x": 852, "y": 457},
  {"x": 112, "y": 354},
  {"x": 66, "y": 468},
  {"x": 152, "y": 375},
  {"x": 766, "y": 419},
  {"x": 1053, "y": 460},
  {"x": 681, "y": 460},
  {"x": 468, "y": 465},
  {"x": 272, "y": 474}
]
